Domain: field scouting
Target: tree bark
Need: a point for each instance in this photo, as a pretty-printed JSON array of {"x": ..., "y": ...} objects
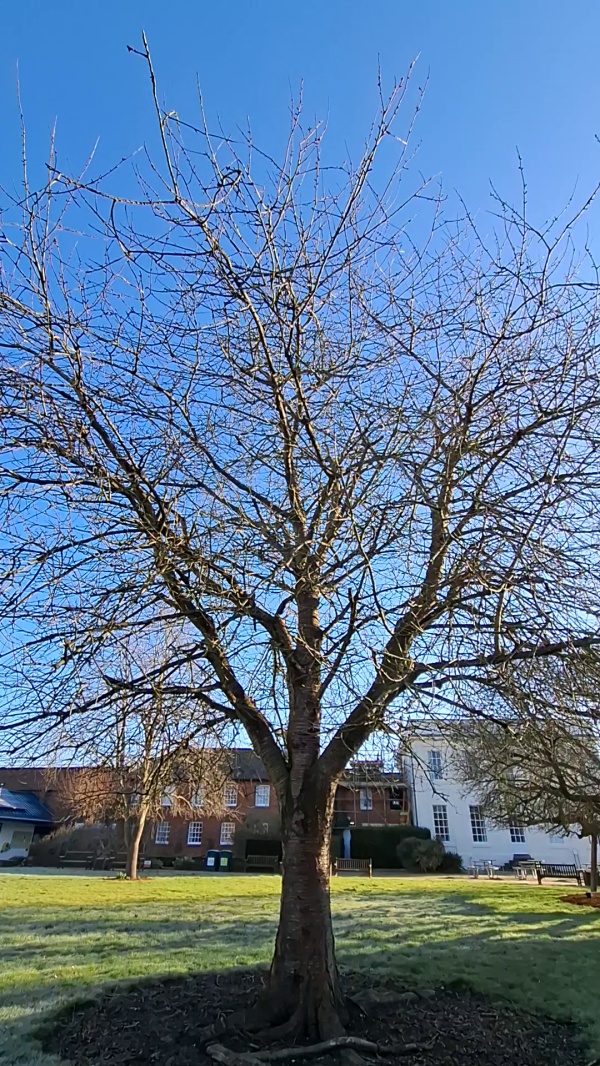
[
  {"x": 594, "y": 863},
  {"x": 304, "y": 981},
  {"x": 133, "y": 838}
]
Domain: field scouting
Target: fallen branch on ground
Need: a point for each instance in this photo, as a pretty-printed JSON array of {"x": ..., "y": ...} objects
[{"x": 338, "y": 1043}]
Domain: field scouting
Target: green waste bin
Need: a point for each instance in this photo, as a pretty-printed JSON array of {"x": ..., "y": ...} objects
[
  {"x": 225, "y": 863},
  {"x": 212, "y": 860}
]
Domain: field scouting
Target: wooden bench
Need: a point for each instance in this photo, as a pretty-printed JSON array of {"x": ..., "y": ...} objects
[
  {"x": 76, "y": 858},
  {"x": 118, "y": 861},
  {"x": 558, "y": 869},
  {"x": 263, "y": 862},
  {"x": 353, "y": 866}
]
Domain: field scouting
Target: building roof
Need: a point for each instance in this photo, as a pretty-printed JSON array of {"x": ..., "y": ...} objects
[
  {"x": 23, "y": 807},
  {"x": 246, "y": 765}
]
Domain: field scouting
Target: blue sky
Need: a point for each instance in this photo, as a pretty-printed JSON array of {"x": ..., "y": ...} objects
[
  {"x": 522, "y": 73},
  {"x": 518, "y": 74}
]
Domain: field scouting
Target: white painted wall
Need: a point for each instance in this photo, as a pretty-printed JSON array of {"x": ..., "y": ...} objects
[
  {"x": 449, "y": 791},
  {"x": 15, "y": 840}
]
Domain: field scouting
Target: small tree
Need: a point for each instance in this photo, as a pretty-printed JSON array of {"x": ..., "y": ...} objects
[
  {"x": 537, "y": 771},
  {"x": 146, "y": 784},
  {"x": 147, "y": 750}
]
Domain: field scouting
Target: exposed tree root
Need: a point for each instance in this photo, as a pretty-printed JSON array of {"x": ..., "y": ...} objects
[
  {"x": 290, "y": 1028},
  {"x": 248, "y": 1020},
  {"x": 325, "y": 1047}
]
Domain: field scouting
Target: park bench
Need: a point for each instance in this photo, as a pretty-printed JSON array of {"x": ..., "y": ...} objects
[
  {"x": 263, "y": 862},
  {"x": 558, "y": 869},
  {"x": 118, "y": 861},
  {"x": 353, "y": 866},
  {"x": 76, "y": 858}
]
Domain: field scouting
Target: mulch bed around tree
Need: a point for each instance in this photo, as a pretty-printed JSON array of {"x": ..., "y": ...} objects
[
  {"x": 157, "y": 1023},
  {"x": 582, "y": 901}
]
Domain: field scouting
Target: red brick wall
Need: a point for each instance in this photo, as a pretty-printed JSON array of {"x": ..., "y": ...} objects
[
  {"x": 211, "y": 826},
  {"x": 347, "y": 803}
]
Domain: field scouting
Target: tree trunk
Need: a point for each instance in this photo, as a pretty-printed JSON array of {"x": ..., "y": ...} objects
[
  {"x": 594, "y": 863},
  {"x": 133, "y": 838},
  {"x": 304, "y": 981}
]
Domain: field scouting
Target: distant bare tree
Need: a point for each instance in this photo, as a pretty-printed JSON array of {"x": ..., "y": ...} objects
[
  {"x": 145, "y": 778},
  {"x": 537, "y": 763},
  {"x": 352, "y": 455},
  {"x": 140, "y": 755}
]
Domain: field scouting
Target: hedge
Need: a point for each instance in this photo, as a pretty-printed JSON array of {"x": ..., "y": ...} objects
[
  {"x": 379, "y": 843},
  {"x": 263, "y": 846}
]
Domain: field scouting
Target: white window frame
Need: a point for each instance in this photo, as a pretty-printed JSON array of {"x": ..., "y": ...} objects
[
  {"x": 264, "y": 791},
  {"x": 434, "y": 764},
  {"x": 167, "y": 797},
  {"x": 441, "y": 825},
  {"x": 517, "y": 833},
  {"x": 162, "y": 833},
  {"x": 365, "y": 799},
  {"x": 194, "y": 835},
  {"x": 230, "y": 796},
  {"x": 478, "y": 825},
  {"x": 227, "y": 834},
  {"x": 197, "y": 798}
]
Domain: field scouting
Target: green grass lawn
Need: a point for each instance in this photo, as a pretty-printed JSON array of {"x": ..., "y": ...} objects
[{"x": 63, "y": 938}]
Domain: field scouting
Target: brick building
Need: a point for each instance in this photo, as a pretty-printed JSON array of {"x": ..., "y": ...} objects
[{"x": 366, "y": 796}]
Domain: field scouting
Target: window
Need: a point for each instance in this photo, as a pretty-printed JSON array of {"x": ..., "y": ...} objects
[
  {"x": 478, "y": 826},
  {"x": 517, "y": 833},
  {"x": 227, "y": 832},
  {"x": 366, "y": 799},
  {"x": 198, "y": 798},
  {"x": 262, "y": 796},
  {"x": 21, "y": 839},
  {"x": 163, "y": 830},
  {"x": 434, "y": 763},
  {"x": 194, "y": 833},
  {"x": 397, "y": 798},
  {"x": 231, "y": 796},
  {"x": 440, "y": 822},
  {"x": 168, "y": 797}
]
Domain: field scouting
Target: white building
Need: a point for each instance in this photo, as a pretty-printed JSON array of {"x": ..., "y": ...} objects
[
  {"x": 22, "y": 814},
  {"x": 441, "y": 803}
]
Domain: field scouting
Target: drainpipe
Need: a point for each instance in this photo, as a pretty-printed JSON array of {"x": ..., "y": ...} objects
[{"x": 413, "y": 798}]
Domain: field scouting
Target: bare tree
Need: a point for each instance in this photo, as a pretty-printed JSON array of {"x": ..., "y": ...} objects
[
  {"x": 143, "y": 760},
  {"x": 351, "y": 450},
  {"x": 537, "y": 763}
]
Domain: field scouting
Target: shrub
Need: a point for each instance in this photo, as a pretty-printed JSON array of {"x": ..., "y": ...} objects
[
  {"x": 380, "y": 843},
  {"x": 156, "y": 864},
  {"x": 451, "y": 863},
  {"x": 423, "y": 855},
  {"x": 188, "y": 862},
  {"x": 183, "y": 863}
]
